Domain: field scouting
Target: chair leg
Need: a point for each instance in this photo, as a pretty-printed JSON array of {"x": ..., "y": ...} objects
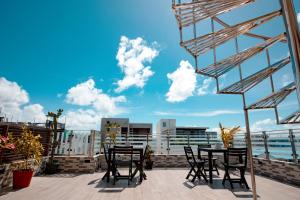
[
  {"x": 216, "y": 168},
  {"x": 105, "y": 175},
  {"x": 230, "y": 181},
  {"x": 227, "y": 176},
  {"x": 202, "y": 174},
  {"x": 243, "y": 179},
  {"x": 187, "y": 177},
  {"x": 195, "y": 176}
]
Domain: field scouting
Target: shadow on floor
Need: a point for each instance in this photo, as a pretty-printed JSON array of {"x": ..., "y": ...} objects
[
  {"x": 61, "y": 175},
  {"x": 238, "y": 191},
  {"x": 111, "y": 188}
]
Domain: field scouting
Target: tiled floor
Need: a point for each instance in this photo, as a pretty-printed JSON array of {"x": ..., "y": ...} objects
[{"x": 161, "y": 184}]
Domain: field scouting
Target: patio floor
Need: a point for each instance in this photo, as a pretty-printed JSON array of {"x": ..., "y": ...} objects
[{"x": 162, "y": 184}]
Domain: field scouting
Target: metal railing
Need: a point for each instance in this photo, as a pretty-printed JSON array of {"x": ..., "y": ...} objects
[{"x": 279, "y": 144}]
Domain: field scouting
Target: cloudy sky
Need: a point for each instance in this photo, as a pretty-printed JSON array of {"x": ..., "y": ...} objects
[{"x": 122, "y": 59}]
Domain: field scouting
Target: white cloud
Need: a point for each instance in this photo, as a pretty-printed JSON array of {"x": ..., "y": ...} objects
[
  {"x": 96, "y": 105},
  {"x": 82, "y": 119},
  {"x": 205, "y": 87},
  {"x": 132, "y": 56},
  {"x": 286, "y": 79},
  {"x": 86, "y": 94},
  {"x": 183, "y": 82},
  {"x": 298, "y": 17},
  {"x": 14, "y": 103},
  {"x": 34, "y": 112},
  {"x": 261, "y": 125},
  {"x": 212, "y": 113}
]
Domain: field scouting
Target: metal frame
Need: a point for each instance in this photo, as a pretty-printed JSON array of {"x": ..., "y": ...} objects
[
  {"x": 246, "y": 84},
  {"x": 274, "y": 99},
  {"x": 202, "y": 44},
  {"x": 197, "y": 10},
  {"x": 225, "y": 65},
  {"x": 191, "y": 13}
]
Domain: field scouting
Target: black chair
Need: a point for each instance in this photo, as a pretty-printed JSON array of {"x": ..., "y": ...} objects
[
  {"x": 197, "y": 167},
  {"x": 113, "y": 169},
  {"x": 122, "y": 157},
  {"x": 205, "y": 158},
  {"x": 235, "y": 159},
  {"x": 138, "y": 164}
]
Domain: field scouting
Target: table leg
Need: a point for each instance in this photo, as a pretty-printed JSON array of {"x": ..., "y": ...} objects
[
  {"x": 108, "y": 166},
  {"x": 210, "y": 166},
  {"x": 141, "y": 167}
]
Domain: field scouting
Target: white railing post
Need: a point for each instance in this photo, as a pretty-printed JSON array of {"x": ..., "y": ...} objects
[
  {"x": 158, "y": 143},
  {"x": 265, "y": 138},
  {"x": 70, "y": 143},
  {"x": 292, "y": 140},
  {"x": 208, "y": 138},
  {"x": 168, "y": 144}
]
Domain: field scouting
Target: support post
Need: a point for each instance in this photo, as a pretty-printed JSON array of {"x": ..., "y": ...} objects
[
  {"x": 70, "y": 143},
  {"x": 293, "y": 36},
  {"x": 248, "y": 134},
  {"x": 292, "y": 140},
  {"x": 208, "y": 138},
  {"x": 249, "y": 146},
  {"x": 168, "y": 143},
  {"x": 265, "y": 138}
]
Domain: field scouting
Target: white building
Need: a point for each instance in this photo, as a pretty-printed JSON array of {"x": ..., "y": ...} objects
[{"x": 167, "y": 128}]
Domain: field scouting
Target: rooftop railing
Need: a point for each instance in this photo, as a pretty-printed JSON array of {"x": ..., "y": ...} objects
[{"x": 279, "y": 144}]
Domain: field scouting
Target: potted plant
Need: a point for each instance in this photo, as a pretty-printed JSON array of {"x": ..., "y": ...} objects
[
  {"x": 52, "y": 165},
  {"x": 227, "y": 135},
  {"x": 30, "y": 148},
  {"x": 148, "y": 157},
  {"x": 112, "y": 129}
]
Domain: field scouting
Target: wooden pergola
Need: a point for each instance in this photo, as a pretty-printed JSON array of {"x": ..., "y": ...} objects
[{"x": 188, "y": 13}]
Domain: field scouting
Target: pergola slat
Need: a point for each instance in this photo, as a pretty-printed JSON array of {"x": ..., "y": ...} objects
[
  {"x": 249, "y": 82},
  {"x": 274, "y": 99},
  {"x": 294, "y": 118},
  {"x": 202, "y": 44},
  {"x": 193, "y": 12},
  {"x": 223, "y": 66}
]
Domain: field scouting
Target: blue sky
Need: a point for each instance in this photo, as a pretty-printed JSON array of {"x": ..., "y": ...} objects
[{"x": 123, "y": 59}]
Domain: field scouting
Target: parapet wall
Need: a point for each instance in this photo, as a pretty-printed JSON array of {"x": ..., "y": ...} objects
[
  {"x": 78, "y": 164},
  {"x": 286, "y": 172}
]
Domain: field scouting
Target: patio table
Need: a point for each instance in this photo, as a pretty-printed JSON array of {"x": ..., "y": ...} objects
[
  {"x": 210, "y": 152},
  {"x": 140, "y": 167}
]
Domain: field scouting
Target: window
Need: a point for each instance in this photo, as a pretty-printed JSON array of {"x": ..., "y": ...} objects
[{"x": 164, "y": 124}]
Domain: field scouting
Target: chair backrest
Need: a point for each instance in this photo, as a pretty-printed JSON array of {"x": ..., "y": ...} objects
[
  {"x": 237, "y": 155},
  {"x": 202, "y": 146},
  {"x": 189, "y": 155},
  {"x": 123, "y": 150}
]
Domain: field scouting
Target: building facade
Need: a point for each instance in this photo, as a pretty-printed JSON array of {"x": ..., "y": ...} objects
[{"x": 126, "y": 127}]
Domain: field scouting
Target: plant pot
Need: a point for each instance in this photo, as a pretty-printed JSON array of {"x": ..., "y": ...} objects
[
  {"x": 22, "y": 178},
  {"x": 51, "y": 168},
  {"x": 149, "y": 164}
]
